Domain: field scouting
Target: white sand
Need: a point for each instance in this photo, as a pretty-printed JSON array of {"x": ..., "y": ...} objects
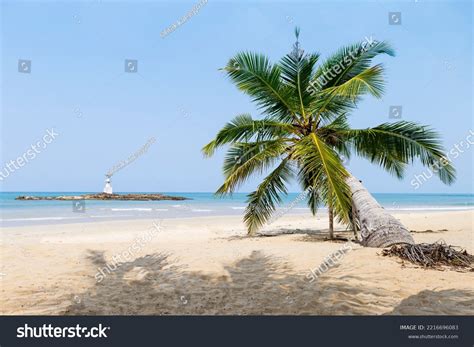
[{"x": 208, "y": 266}]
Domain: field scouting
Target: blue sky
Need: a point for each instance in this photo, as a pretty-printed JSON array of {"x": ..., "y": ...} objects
[{"x": 78, "y": 85}]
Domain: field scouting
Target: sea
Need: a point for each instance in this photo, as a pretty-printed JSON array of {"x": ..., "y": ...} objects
[{"x": 23, "y": 213}]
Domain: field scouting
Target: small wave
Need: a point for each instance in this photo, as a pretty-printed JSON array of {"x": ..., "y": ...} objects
[
  {"x": 431, "y": 208},
  {"x": 35, "y": 219},
  {"x": 200, "y": 210},
  {"x": 161, "y": 209},
  {"x": 131, "y": 209},
  {"x": 238, "y": 207},
  {"x": 112, "y": 216}
]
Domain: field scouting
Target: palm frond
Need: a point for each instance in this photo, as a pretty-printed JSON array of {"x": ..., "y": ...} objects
[
  {"x": 296, "y": 72},
  {"x": 244, "y": 129},
  {"x": 244, "y": 159},
  {"x": 322, "y": 167},
  {"x": 313, "y": 197},
  {"x": 349, "y": 62},
  {"x": 263, "y": 201},
  {"x": 328, "y": 108},
  {"x": 393, "y": 145},
  {"x": 343, "y": 78},
  {"x": 368, "y": 81},
  {"x": 254, "y": 75},
  {"x": 332, "y": 134}
]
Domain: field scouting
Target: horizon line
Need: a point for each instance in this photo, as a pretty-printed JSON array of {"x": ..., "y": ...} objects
[{"x": 209, "y": 192}]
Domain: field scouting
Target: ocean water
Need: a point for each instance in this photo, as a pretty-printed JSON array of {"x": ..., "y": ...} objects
[{"x": 19, "y": 213}]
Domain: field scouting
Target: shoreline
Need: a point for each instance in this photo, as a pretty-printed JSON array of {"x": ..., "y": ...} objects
[
  {"x": 85, "y": 218},
  {"x": 207, "y": 265}
]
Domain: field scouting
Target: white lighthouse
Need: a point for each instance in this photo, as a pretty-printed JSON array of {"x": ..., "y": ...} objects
[{"x": 108, "y": 186}]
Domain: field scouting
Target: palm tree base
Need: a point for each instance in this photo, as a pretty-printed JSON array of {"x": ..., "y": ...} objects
[{"x": 377, "y": 228}]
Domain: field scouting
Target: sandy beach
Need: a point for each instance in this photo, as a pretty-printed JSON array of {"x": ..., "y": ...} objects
[{"x": 208, "y": 266}]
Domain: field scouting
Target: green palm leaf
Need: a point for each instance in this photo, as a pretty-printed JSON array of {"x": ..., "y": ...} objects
[
  {"x": 322, "y": 167},
  {"x": 349, "y": 62},
  {"x": 257, "y": 77},
  {"x": 313, "y": 197},
  {"x": 393, "y": 145},
  {"x": 339, "y": 82},
  {"x": 296, "y": 72},
  {"x": 263, "y": 201},
  {"x": 244, "y": 159},
  {"x": 368, "y": 81},
  {"x": 333, "y": 135},
  {"x": 244, "y": 128}
]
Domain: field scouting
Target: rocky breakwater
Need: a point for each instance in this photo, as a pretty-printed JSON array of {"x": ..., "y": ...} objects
[{"x": 103, "y": 196}]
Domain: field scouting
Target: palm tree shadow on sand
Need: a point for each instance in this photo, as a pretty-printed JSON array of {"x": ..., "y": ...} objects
[
  {"x": 154, "y": 285},
  {"x": 431, "y": 302},
  {"x": 254, "y": 285},
  {"x": 310, "y": 235}
]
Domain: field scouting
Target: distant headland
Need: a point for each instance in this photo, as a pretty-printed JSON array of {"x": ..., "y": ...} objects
[{"x": 104, "y": 196}]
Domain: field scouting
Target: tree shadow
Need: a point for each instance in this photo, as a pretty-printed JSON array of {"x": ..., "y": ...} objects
[
  {"x": 153, "y": 285},
  {"x": 310, "y": 235},
  {"x": 257, "y": 284},
  {"x": 442, "y": 302}
]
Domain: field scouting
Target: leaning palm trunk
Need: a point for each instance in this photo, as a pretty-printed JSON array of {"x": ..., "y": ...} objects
[{"x": 377, "y": 227}]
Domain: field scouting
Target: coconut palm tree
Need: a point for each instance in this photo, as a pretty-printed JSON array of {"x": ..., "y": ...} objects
[{"x": 304, "y": 132}]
